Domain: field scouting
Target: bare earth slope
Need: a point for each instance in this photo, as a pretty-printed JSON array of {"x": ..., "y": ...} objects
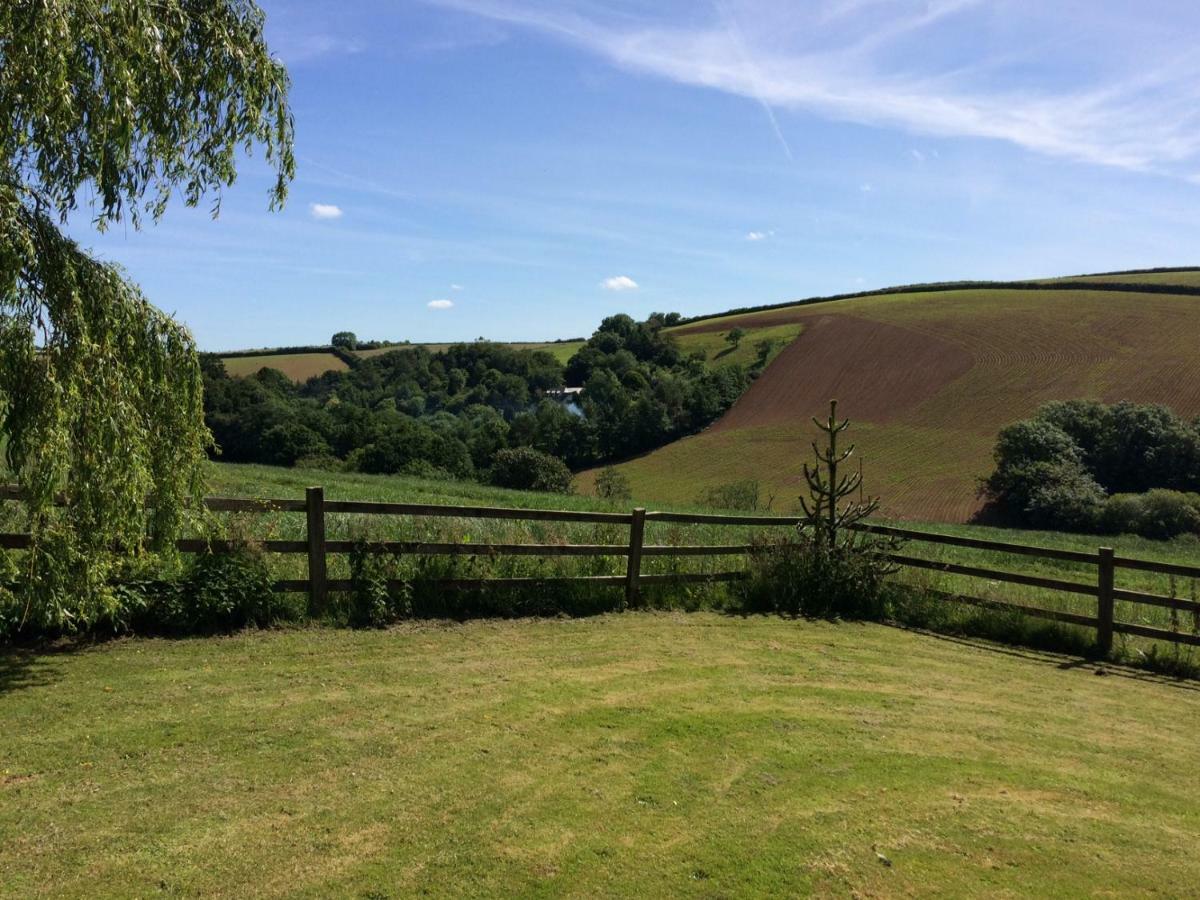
[{"x": 930, "y": 379}]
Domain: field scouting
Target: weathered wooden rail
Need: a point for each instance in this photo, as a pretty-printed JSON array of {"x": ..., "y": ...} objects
[{"x": 317, "y": 548}]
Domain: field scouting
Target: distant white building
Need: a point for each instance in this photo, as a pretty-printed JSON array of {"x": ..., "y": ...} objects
[{"x": 569, "y": 398}]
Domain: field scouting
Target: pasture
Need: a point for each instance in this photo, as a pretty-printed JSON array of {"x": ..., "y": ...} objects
[
  {"x": 718, "y": 352},
  {"x": 562, "y": 350},
  {"x": 626, "y": 755},
  {"x": 1186, "y": 278},
  {"x": 296, "y": 366},
  {"x": 929, "y": 379}
]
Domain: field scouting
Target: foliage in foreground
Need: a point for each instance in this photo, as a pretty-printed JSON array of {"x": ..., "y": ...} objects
[{"x": 100, "y": 393}]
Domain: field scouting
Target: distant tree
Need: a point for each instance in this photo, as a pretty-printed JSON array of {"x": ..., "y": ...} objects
[
  {"x": 1058, "y": 469},
  {"x": 734, "y": 337},
  {"x": 527, "y": 469},
  {"x": 100, "y": 392},
  {"x": 612, "y": 484},
  {"x": 762, "y": 350},
  {"x": 291, "y": 441},
  {"x": 347, "y": 340},
  {"x": 731, "y": 495}
]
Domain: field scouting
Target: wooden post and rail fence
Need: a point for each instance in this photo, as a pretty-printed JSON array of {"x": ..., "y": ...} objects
[{"x": 318, "y": 548}]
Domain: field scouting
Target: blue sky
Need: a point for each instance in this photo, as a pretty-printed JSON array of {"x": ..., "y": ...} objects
[{"x": 518, "y": 169}]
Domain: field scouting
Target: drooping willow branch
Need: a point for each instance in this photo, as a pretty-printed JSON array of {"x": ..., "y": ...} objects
[
  {"x": 100, "y": 392},
  {"x": 100, "y": 401}
]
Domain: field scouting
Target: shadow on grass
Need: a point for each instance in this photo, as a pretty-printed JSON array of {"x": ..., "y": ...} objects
[
  {"x": 1059, "y": 659},
  {"x": 22, "y": 668}
]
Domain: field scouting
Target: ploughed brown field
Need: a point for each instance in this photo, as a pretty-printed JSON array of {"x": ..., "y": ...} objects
[{"x": 929, "y": 379}]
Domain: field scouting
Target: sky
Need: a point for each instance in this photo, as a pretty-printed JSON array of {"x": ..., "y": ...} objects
[{"x": 519, "y": 169}]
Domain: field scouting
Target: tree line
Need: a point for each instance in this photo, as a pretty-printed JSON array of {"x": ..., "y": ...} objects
[
  {"x": 449, "y": 413},
  {"x": 1082, "y": 465}
]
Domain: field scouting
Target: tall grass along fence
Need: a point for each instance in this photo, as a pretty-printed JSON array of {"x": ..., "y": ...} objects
[{"x": 1101, "y": 588}]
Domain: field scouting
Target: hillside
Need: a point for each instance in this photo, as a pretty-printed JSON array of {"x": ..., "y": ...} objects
[
  {"x": 929, "y": 379},
  {"x": 304, "y": 365}
]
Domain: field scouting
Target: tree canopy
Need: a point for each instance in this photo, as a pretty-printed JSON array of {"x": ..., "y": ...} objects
[{"x": 100, "y": 393}]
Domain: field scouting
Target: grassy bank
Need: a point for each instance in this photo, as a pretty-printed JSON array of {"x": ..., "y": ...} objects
[{"x": 624, "y": 755}]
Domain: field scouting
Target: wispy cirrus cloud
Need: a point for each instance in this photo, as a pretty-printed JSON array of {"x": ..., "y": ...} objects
[
  {"x": 297, "y": 49},
  {"x": 1097, "y": 82}
]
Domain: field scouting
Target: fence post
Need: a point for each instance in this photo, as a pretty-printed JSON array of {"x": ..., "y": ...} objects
[
  {"x": 1104, "y": 605},
  {"x": 637, "y": 527},
  {"x": 318, "y": 590}
]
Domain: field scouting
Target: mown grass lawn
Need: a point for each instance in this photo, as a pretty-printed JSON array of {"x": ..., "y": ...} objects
[{"x": 635, "y": 754}]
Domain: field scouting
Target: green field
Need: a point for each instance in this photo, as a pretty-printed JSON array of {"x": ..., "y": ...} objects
[
  {"x": 296, "y": 366},
  {"x": 626, "y": 755},
  {"x": 1187, "y": 278},
  {"x": 718, "y": 352},
  {"x": 562, "y": 350},
  {"x": 928, "y": 379}
]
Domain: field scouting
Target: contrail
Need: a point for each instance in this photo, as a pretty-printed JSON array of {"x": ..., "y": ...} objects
[{"x": 739, "y": 45}]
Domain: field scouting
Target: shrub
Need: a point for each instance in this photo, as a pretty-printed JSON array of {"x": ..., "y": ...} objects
[
  {"x": 1061, "y": 495},
  {"x": 325, "y": 462},
  {"x": 423, "y": 468},
  {"x": 527, "y": 469},
  {"x": 372, "y": 602},
  {"x": 218, "y": 592},
  {"x": 611, "y": 484},
  {"x": 810, "y": 577},
  {"x": 732, "y": 495},
  {"x": 1122, "y": 514},
  {"x": 1167, "y": 514}
]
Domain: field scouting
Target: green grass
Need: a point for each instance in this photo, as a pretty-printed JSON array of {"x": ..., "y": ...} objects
[
  {"x": 1189, "y": 278},
  {"x": 625, "y": 755},
  {"x": 717, "y": 351},
  {"x": 273, "y": 482},
  {"x": 1181, "y": 551},
  {"x": 562, "y": 350},
  {"x": 296, "y": 366},
  {"x": 267, "y": 481},
  {"x": 925, "y": 451}
]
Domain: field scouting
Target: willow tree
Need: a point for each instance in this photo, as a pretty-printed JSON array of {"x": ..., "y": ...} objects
[{"x": 122, "y": 104}]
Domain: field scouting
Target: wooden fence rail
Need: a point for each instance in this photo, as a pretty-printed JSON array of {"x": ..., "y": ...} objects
[{"x": 317, "y": 547}]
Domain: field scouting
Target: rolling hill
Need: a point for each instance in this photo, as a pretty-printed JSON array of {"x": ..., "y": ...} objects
[
  {"x": 929, "y": 378},
  {"x": 301, "y": 366}
]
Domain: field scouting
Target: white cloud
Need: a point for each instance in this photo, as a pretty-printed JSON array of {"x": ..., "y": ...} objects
[
  {"x": 456, "y": 287},
  {"x": 325, "y": 211},
  {"x": 440, "y": 304},
  {"x": 619, "y": 283},
  {"x": 758, "y": 235},
  {"x": 1101, "y": 82}
]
